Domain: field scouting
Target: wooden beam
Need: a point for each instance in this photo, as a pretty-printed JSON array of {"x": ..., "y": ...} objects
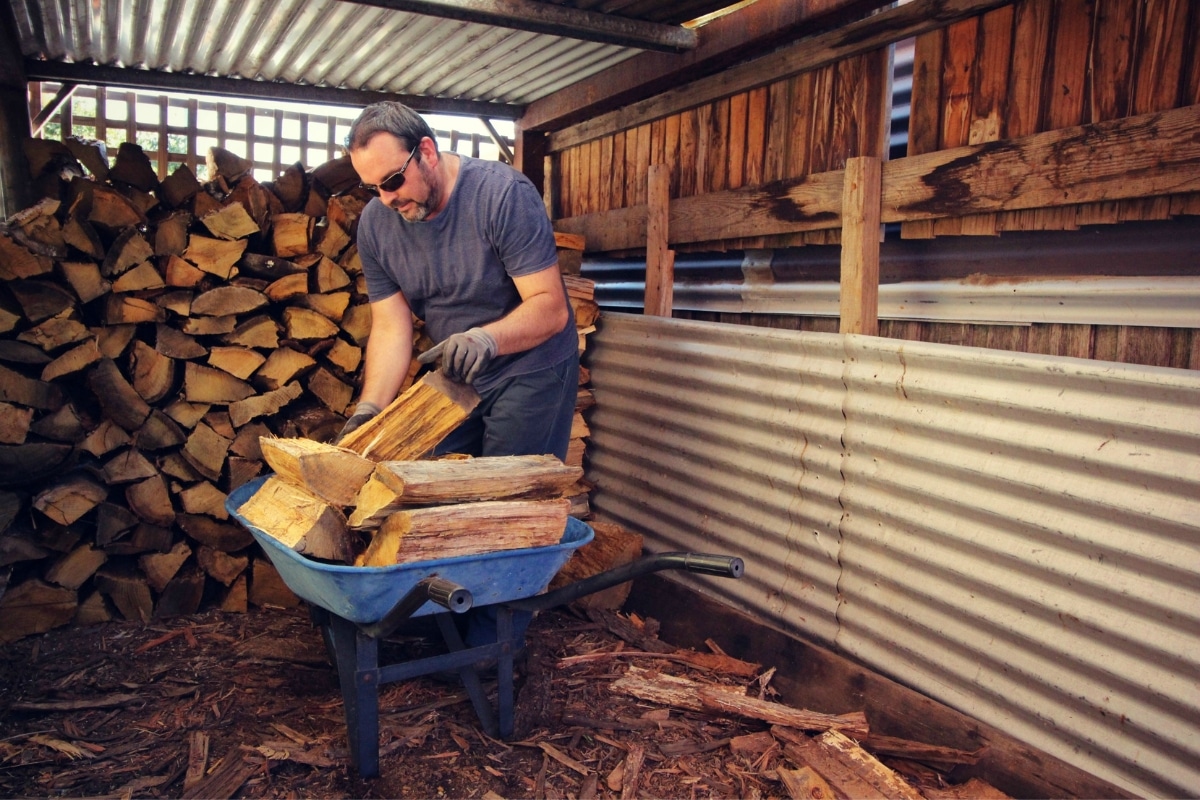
[
  {"x": 804, "y": 204},
  {"x": 64, "y": 94},
  {"x": 498, "y": 139},
  {"x": 236, "y": 87},
  {"x": 555, "y": 20},
  {"x": 660, "y": 261},
  {"x": 808, "y": 54},
  {"x": 757, "y": 28},
  {"x": 1145, "y": 156},
  {"x": 860, "y": 247}
]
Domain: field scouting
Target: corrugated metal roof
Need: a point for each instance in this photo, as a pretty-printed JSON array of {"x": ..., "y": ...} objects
[
  {"x": 1017, "y": 536},
  {"x": 330, "y": 43}
]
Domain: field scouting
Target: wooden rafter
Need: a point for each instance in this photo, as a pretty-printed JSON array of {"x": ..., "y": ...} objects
[
  {"x": 268, "y": 90},
  {"x": 527, "y": 15}
]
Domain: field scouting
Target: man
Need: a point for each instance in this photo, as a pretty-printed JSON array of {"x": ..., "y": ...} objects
[{"x": 466, "y": 245}]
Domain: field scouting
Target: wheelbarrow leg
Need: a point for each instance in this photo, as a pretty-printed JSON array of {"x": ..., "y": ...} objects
[
  {"x": 504, "y": 670},
  {"x": 468, "y": 674},
  {"x": 357, "y": 657}
]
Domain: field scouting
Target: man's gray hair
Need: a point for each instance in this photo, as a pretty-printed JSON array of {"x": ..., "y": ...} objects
[{"x": 389, "y": 117}]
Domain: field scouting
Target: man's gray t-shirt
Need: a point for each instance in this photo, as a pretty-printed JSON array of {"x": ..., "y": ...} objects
[{"x": 456, "y": 269}]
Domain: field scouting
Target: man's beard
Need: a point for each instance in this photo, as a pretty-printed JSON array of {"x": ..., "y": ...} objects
[{"x": 419, "y": 211}]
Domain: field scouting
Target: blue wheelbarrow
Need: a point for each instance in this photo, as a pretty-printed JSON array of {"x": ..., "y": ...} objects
[{"x": 356, "y": 607}]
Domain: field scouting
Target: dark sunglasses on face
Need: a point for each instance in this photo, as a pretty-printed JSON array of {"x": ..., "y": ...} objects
[{"x": 393, "y": 182}]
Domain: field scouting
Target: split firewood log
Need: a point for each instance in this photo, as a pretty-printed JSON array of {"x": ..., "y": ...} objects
[
  {"x": 333, "y": 474},
  {"x": 415, "y": 422},
  {"x": 300, "y": 520},
  {"x": 425, "y": 534}
]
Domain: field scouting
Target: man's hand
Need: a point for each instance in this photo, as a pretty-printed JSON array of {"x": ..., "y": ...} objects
[
  {"x": 464, "y": 355},
  {"x": 362, "y": 413}
]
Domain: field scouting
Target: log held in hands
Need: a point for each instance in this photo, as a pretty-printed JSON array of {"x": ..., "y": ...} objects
[{"x": 415, "y": 422}]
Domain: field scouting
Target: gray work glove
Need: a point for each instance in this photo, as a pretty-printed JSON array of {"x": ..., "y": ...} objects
[
  {"x": 464, "y": 355},
  {"x": 363, "y": 412}
]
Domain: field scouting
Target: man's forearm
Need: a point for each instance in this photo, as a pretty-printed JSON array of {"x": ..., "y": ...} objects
[{"x": 543, "y": 312}]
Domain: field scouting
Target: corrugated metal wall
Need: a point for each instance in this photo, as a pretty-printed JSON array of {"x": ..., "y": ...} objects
[{"x": 1017, "y": 536}]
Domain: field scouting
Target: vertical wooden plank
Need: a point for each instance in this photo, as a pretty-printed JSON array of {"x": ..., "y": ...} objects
[
  {"x": 130, "y": 120},
  {"x": 1191, "y": 83},
  {"x": 617, "y": 198},
  {"x": 276, "y": 164},
  {"x": 736, "y": 152},
  {"x": 642, "y": 161},
  {"x": 192, "y": 115},
  {"x": 594, "y": 167},
  {"x": 820, "y": 119},
  {"x": 1104, "y": 343},
  {"x": 102, "y": 115},
  {"x": 164, "y": 158},
  {"x": 559, "y": 207},
  {"x": 703, "y": 147},
  {"x": 1066, "y": 102},
  {"x": 756, "y": 136},
  {"x": 1110, "y": 81},
  {"x": 578, "y": 182},
  {"x": 671, "y": 151},
  {"x": 660, "y": 261},
  {"x": 1031, "y": 44},
  {"x": 658, "y": 133},
  {"x": 688, "y": 124},
  {"x": 925, "y": 112},
  {"x": 850, "y": 91},
  {"x": 775, "y": 154},
  {"x": 606, "y": 174},
  {"x": 1158, "y": 69},
  {"x": 1144, "y": 345},
  {"x": 566, "y": 186},
  {"x": 1160, "y": 56},
  {"x": 958, "y": 83},
  {"x": 991, "y": 90},
  {"x": 803, "y": 112},
  {"x": 859, "y": 299},
  {"x": 718, "y": 147}
]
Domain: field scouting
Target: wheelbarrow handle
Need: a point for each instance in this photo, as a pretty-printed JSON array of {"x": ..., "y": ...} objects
[
  {"x": 703, "y": 563},
  {"x": 444, "y": 593}
]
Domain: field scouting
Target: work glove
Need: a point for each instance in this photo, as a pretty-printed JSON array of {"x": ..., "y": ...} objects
[
  {"x": 363, "y": 412},
  {"x": 464, "y": 355}
]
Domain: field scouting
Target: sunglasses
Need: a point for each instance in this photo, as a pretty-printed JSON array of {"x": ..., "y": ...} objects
[{"x": 392, "y": 182}]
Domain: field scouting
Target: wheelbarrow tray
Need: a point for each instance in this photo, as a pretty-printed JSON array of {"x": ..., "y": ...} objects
[{"x": 364, "y": 595}]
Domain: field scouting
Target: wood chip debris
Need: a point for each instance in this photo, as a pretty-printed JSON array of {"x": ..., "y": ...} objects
[{"x": 239, "y": 705}]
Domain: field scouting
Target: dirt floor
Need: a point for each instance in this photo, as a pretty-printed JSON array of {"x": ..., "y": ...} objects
[
  {"x": 116, "y": 710},
  {"x": 222, "y": 705}
]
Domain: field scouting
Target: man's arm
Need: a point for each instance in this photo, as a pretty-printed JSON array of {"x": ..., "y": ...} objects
[
  {"x": 389, "y": 350},
  {"x": 541, "y": 313}
]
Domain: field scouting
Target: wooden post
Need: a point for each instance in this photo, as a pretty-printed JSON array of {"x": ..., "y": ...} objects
[
  {"x": 15, "y": 180},
  {"x": 529, "y": 156},
  {"x": 860, "y": 247},
  {"x": 660, "y": 261}
]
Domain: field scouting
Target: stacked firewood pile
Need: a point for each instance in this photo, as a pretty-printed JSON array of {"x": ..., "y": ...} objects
[{"x": 150, "y": 334}]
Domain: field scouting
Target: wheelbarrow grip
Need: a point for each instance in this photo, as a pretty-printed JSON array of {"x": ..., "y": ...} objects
[
  {"x": 703, "y": 563},
  {"x": 438, "y": 590}
]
